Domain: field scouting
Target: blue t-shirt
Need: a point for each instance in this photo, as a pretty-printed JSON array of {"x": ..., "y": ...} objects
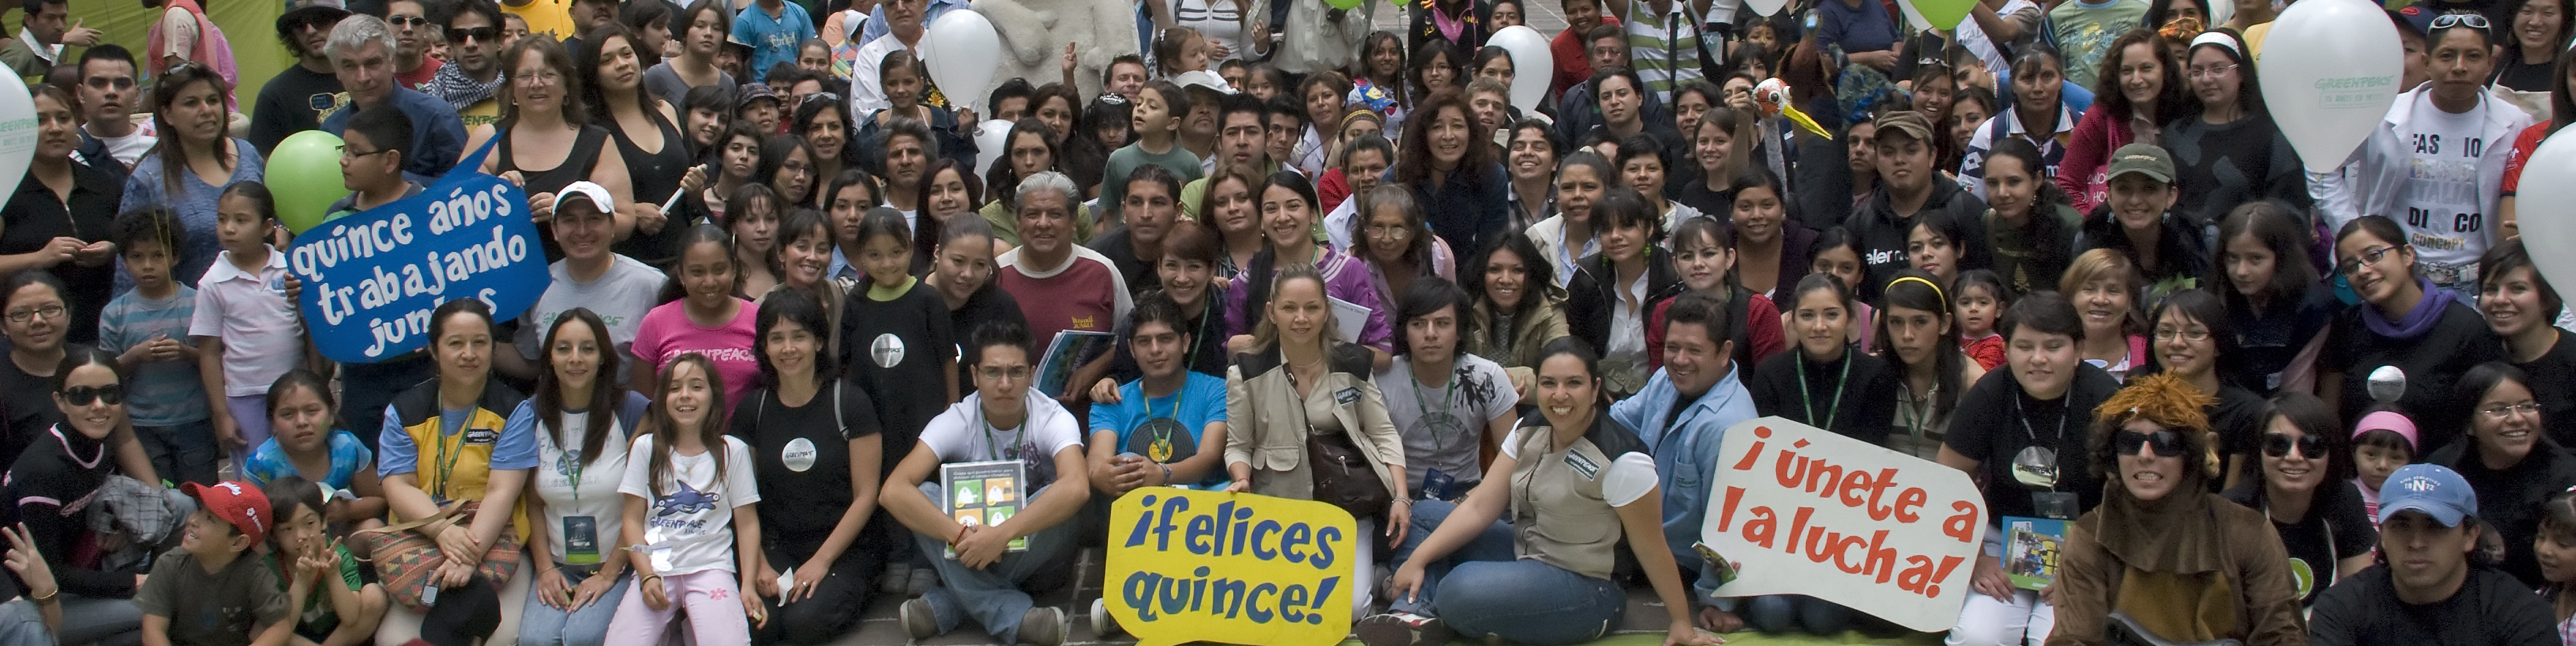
[
  {"x": 348, "y": 456},
  {"x": 164, "y": 393},
  {"x": 396, "y": 455},
  {"x": 1201, "y": 400},
  {"x": 1866, "y": 28},
  {"x": 773, "y": 41},
  {"x": 437, "y": 134}
]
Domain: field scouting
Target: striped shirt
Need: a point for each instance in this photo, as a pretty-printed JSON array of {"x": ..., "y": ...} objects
[
  {"x": 164, "y": 393},
  {"x": 1664, "y": 48}
]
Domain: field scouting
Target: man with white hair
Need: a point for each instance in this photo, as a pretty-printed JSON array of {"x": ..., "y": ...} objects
[
  {"x": 1060, "y": 285},
  {"x": 362, "y": 55}
]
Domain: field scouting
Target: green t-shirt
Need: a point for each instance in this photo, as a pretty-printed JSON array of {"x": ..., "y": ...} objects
[
  {"x": 2084, "y": 32},
  {"x": 318, "y": 619},
  {"x": 1113, "y": 178}
]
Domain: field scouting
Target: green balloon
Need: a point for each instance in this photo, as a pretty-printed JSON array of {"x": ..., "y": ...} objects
[
  {"x": 1945, "y": 14},
  {"x": 1345, "y": 4},
  {"x": 303, "y": 175}
]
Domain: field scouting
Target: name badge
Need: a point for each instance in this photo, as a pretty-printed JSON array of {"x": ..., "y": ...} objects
[
  {"x": 482, "y": 436},
  {"x": 581, "y": 540},
  {"x": 1582, "y": 465},
  {"x": 1346, "y": 396}
]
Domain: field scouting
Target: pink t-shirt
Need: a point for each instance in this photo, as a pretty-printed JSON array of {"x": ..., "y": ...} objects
[{"x": 667, "y": 333}]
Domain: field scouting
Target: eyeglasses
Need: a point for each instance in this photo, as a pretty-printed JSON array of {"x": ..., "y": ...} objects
[
  {"x": 2470, "y": 20},
  {"x": 2278, "y": 445},
  {"x": 478, "y": 34},
  {"x": 998, "y": 373},
  {"x": 2194, "y": 335},
  {"x": 2369, "y": 256},
  {"x": 2503, "y": 412},
  {"x": 2209, "y": 71},
  {"x": 548, "y": 77},
  {"x": 103, "y": 82},
  {"x": 48, "y": 311},
  {"x": 1389, "y": 232},
  {"x": 406, "y": 21},
  {"x": 345, "y": 153},
  {"x": 2167, "y": 443},
  {"x": 111, "y": 394}
]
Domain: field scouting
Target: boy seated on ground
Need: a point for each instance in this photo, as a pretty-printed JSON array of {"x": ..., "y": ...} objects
[{"x": 206, "y": 593}]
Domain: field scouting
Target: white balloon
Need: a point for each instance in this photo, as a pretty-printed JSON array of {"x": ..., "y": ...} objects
[
  {"x": 2330, "y": 71},
  {"x": 17, "y": 132},
  {"x": 1765, "y": 7},
  {"x": 962, "y": 50},
  {"x": 1914, "y": 16},
  {"x": 2545, "y": 207},
  {"x": 1533, "y": 64},
  {"x": 992, "y": 143}
]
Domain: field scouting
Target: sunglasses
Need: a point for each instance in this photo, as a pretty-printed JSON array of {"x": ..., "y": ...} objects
[
  {"x": 403, "y": 21},
  {"x": 479, "y": 34},
  {"x": 2449, "y": 20},
  {"x": 2167, "y": 443},
  {"x": 2278, "y": 445},
  {"x": 111, "y": 394}
]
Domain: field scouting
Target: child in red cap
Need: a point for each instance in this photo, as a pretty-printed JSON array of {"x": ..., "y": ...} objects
[{"x": 205, "y": 593}]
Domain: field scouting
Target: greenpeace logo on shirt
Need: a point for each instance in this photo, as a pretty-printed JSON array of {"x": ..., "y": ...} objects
[{"x": 715, "y": 354}]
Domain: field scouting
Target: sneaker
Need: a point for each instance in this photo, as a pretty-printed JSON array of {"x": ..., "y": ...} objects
[
  {"x": 919, "y": 582},
  {"x": 918, "y": 620},
  {"x": 1044, "y": 626},
  {"x": 896, "y": 576},
  {"x": 1402, "y": 629},
  {"x": 1101, "y": 622}
]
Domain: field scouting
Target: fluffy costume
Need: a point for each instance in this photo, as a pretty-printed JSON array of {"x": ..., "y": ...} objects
[
  {"x": 1034, "y": 33},
  {"x": 1318, "y": 36},
  {"x": 2169, "y": 401}
]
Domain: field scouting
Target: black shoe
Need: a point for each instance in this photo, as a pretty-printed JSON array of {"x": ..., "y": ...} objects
[{"x": 1402, "y": 629}]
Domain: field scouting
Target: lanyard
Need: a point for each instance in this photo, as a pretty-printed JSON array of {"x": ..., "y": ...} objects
[
  {"x": 1448, "y": 396},
  {"x": 1839, "y": 382},
  {"x": 996, "y": 447},
  {"x": 2025, "y": 420},
  {"x": 446, "y": 459}
]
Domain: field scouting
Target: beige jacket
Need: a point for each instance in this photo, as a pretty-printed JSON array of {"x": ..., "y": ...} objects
[
  {"x": 1533, "y": 330},
  {"x": 1266, "y": 420}
]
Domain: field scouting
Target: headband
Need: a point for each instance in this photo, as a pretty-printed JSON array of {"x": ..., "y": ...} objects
[
  {"x": 2220, "y": 39},
  {"x": 1936, "y": 289},
  {"x": 1354, "y": 116}
]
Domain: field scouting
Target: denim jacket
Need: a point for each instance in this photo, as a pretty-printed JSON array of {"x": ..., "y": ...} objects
[{"x": 1686, "y": 455}]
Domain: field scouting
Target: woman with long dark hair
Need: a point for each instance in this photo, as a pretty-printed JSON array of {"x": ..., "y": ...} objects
[
  {"x": 1288, "y": 218},
  {"x": 581, "y": 419},
  {"x": 2428, "y": 334},
  {"x": 547, "y": 140},
  {"x": 2532, "y": 44},
  {"x": 2139, "y": 87},
  {"x": 1451, "y": 172},
  {"x": 2511, "y": 465},
  {"x": 1705, "y": 257},
  {"x": 1613, "y": 291},
  {"x": 2038, "y": 114},
  {"x": 2030, "y": 227},
  {"x": 702, "y": 29},
  {"x": 1915, "y": 331},
  {"x": 1518, "y": 307},
  {"x": 2275, "y": 302},
  {"x": 818, "y": 468},
  {"x": 193, "y": 163},
  {"x": 2307, "y": 491},
  {"x": 1032, "y": 147},
  {"x": 2230, "y": 151},
  {"x": 787, "y": 162},
  {"x": 2191, "y": 339},
  {"x": 648, "y": 141}
]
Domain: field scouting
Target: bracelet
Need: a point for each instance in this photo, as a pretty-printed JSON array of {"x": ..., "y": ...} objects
[
  {"x": 1167, "y": 473},
  {"x": 961, "y": 534},
  {"x": 48, "y": 597}
]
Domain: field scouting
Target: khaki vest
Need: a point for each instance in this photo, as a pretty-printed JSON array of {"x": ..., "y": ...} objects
[{"x": 1559, "y": 515}]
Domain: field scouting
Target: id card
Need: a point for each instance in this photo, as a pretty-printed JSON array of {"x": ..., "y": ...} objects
[
  {"x": 1438, "y": 485},
  {"x": 2054, "y": 505},
  {"x": 581, "y": 540}
]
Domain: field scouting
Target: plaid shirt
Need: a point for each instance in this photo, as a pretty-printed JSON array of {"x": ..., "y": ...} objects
[{"x": 450, "y": 85}]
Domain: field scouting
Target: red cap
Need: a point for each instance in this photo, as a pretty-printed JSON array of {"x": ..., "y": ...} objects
[{"x": 239, "y": 503}]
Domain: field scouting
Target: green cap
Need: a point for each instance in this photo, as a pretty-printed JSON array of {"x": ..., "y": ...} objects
[{"x": 2143, "y": 159}]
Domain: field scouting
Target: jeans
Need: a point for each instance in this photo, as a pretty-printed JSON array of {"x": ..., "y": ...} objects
[
  {"x": 1496, "y": 598},
  {"x": 112, "y": 622},
  {"x": 1782, "y": 613},
  {"x": 991, "y": 596},
  {"x": 183, "y": 452},
  {"x": 543, "y": 625},
  {"x": 21, "y": 622},
  {"x": 1494, "y": 544},
  {"x": 833, "y": 611}
]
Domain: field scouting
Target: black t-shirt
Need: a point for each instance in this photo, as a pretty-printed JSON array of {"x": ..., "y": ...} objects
[
  {"x": 2510, "y": 499},
  {"x": 2267, "y": 340},
  {"x": 2491, "y": 609},
  {"x": 293, "y": 101},
  {"x": 2433, "y": 361},
  {"x": 2238, "y": 419},
  {"x": 1858, "y": 404},
  {"x": 1691, "y": 188},
  {"x": 2554, "y": 375},
  {"x": 1121, "y": 250},
  {"x": 34, "y": 217},
  {"x": 1995, "y": 421},
  {"x": 28, "y": 402},
  {"x": 989, "y": 303},
  {"x": 893, "y": 350},
  {"x": 801, "y": 457},
  {"x": 2334, "y": 529},
  {"x": 1207, "y": 330}
]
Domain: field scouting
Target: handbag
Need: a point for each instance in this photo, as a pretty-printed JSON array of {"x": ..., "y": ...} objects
[
  {"x": 406, "y": 561},
  {"x": 1344, "y": 477}
]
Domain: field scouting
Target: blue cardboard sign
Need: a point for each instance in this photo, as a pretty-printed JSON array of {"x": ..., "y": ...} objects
[{"x": 372, "y": 278}]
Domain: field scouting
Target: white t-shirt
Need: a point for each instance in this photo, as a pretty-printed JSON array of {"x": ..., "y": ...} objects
[
  {"x": 1974, "y": 38},
  {"x": 1221, "y": 21},
  {"x": 2442, "y": 200},
  {"x": 595, "y": 494},
  {"x": 620, "y": 296},
  {"x": 1631, "y": 475},
  {"x": 959, "y": 434},
  {"x": 689, "y": 528},
  {"x": 131, "y": 147}
]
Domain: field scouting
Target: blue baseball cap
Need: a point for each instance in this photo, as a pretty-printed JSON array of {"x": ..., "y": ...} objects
[{"x": 2430, "y": 488}]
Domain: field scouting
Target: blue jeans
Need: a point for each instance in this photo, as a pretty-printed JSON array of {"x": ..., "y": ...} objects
[
  {"x": 1494, "y": 544},
  {"x": 182, "y": 452},
  {"x": 112, "y": 622},
  {"x": 543, "y": 625},
  {"x": 1783, "y": 613},
  {"x": 991, "y": 596},
  {"x": 1481, "y": 598}
]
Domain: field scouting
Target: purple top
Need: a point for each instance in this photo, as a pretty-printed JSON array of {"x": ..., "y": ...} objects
[{"x": 1345, "y": 278}]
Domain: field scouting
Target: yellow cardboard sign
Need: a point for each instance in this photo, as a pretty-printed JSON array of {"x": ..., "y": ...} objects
[{"x": 1187, "y": 566}]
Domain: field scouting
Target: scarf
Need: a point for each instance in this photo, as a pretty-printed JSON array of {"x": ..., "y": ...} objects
[
  {"x": 1450, "y": 26},
  {"x": 2417, "y": 321},
  {"x": 450, "y": 85}
]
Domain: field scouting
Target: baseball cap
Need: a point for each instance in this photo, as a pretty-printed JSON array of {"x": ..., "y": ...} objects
[
  {"x": 1908, "y": 122},
  {"x": 2143, "y": 159},
  {"x": 2430, "y": 488},
  {"x": 597, "y": 195},
  {"x": 239, "y": 503},
  {"x": 2390, "y": 421}
]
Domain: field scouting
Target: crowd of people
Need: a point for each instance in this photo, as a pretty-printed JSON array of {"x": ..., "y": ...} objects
[{"x": 2286, "y": 406}]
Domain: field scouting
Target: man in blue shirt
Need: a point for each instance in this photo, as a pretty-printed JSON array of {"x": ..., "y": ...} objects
[
  {"x": 774, "y": 29},
  {"x": 361, "y": 49},
  {"x": 1165, "y": 428},
  {"x": 1682, "y": 414}
]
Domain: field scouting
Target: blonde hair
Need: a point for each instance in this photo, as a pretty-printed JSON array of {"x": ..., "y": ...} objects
[
  {"x": 2100, "y": 264},
  {"x": 1265, "y": 334}
]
